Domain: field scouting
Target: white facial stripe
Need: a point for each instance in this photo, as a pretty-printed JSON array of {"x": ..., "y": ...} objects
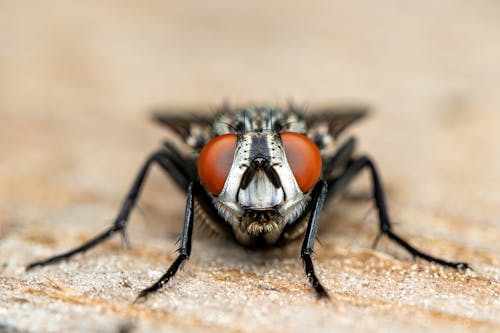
[{"x": 260, "y": 193}]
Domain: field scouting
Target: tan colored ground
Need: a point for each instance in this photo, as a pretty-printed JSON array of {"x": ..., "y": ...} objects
[{"x": 77, "y": 81}]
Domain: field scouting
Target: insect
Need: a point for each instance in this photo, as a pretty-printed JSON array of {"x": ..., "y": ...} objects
[{"x": 259, "y": 175}]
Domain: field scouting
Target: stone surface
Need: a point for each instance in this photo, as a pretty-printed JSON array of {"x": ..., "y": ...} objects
[{"x": 77, "y": 82}]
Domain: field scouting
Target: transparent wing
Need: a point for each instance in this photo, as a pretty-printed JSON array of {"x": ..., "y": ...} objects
[
  {"x": 183, "y": 122},
  {"x": 335, "y": 118}
]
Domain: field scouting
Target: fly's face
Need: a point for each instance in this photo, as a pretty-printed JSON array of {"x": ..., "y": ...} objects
[{"x": 259, "y": 180}]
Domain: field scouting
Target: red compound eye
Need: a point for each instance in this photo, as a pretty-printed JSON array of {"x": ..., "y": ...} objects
[
  {"x": 303, "y": 157},
  {"x": 215, "y": 161}
]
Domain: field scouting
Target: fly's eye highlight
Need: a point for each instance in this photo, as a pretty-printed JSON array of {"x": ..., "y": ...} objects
[
  {"x": 215, "y": 161},
  {"x": 303, "y": 157}
]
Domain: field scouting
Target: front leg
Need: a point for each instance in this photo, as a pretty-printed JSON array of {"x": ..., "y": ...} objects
[
  {"x": 385, "y": 225},
  {"x": 319, "y": 193},
  {"x": 184, "y": 249}
]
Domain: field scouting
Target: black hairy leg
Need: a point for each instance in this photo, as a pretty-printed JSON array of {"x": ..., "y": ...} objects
[
  {"x": 354, "y": 167},
  {"x": 319, "y": 193},
  {"x": 184, "y": 249},
  {"x": 169, "y": 162}
]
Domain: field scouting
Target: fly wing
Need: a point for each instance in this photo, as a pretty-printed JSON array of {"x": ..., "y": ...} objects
[
  {"x": 336, "y": 118},
  {"x": 193, "y": 128},
  {"x": 182, "y": 122}
]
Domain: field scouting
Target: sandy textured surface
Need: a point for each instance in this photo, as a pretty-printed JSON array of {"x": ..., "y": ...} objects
[{"x": 77, "y": 81}]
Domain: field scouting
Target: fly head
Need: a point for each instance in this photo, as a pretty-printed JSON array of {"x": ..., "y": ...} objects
[{"x": 265, "y": 173}]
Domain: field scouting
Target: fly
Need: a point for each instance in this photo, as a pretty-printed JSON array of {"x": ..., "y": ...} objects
[{"x": 262, "y": 176}]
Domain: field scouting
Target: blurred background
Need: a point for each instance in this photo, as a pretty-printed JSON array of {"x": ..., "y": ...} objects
[
  {"x": 124, "y": 56},
  {"x": 78, "y": 80}
]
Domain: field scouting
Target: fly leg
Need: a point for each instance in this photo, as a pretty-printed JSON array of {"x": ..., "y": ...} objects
[
  {"x": 320, "y": 194},
  {"x": 385, "y": 226},
  {"x": 317, "y": 201},
  {"x": 169, "y": 162},
  {"x": 184, "y": 249}
]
